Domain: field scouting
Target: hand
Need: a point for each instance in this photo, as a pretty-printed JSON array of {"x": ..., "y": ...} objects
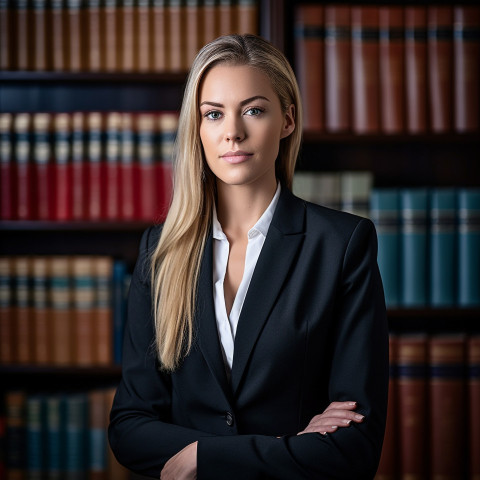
[
  {"x": 336, "y": 415},
  {"x": 182, "y": 466}
]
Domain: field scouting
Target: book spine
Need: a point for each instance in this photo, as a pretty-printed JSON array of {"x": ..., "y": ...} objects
[
  {"x": 7, "y": 325},
  {"x": 337, "y": 68},
  {"x": 466, "y": 44},
  {"x": 119, "y": 307},
  {"x": 385, "y": 214},
  {"x": 24, "y": 177},
  {"x": 55, "y": 421},
  {"x": 15, "y": 455},
  {"x": 94, "y": 48},
  {"x": 95, "y": 153},
  {"x": 416, "y": 69},
  {"x": 365, "y": 70},
  {"x": 225, "y": 12},
  {"x": 6, "y": 35},
  {"x": 35, "y": 407},
  {"x": 193, "y": 37},
  {"x": 23, "y": 308},
  {"x": 440, "y": 67},
  {"x": 112, "y": 182},
  {"x": 392, "y": 69},
  {"x": 474, "y": 404},
  {"x": 247, "y": 17},
  {"x": 103, "y": 272},
  {"x": 7, "y": 172},
  {"x": 40, "y": 49},
  {"x": 112, "y": 39},
  {"x": 309, "y": 62},
  {"x": 79, "y": 167},
  {"x": 210, "y": 20},
  {"x": 24, "y": 38},
  {"x": 127, "y": 168},
  {"x": 447, "y": 407},
  {"x": 355, "y": 192},
  {"x": 62, "y": 168},
  {"x": 413, "y": 212},
  {"x": 97, "y": 436},
  {"x": 442, "y": 246},
  {"x": 76, "y": 425},
  {"x": 160, "y": 36},
  {"x": 127, "y": 37},
  {"x": 412, "y": 399},
  {"x": 144, "y": 32},
  {"x": 176, "y": 14},
  {"x": 59, "y": 35},
  {"x": 75, "y": 37},
  {"x": 468, "y": 247}
]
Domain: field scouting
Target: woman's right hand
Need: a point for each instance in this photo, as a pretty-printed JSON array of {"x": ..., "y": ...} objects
[{"x": 336, "y": 415}]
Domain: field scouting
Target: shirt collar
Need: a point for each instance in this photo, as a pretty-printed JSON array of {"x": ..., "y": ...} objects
[{"x": 262, "y": 225}]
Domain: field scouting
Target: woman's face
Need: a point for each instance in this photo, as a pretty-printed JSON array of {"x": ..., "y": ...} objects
[{"x": 241, "y": 125}]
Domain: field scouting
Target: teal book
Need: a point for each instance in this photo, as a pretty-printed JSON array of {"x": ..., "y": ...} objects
[
  {"x": 414, "y": 215},
  {"x": 35, "y": 435},
  {"x": 469, "y": 247},
  {"x": 76, "y": 437},
  {"x": 55, "y": 437},
  {"x": 119, "y": 296},
  {"x": 384, "y": 212},
  {"x": 442, "y": 246}
]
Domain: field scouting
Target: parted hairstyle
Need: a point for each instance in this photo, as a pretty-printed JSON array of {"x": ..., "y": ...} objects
[{"x": 175, "y": 263}]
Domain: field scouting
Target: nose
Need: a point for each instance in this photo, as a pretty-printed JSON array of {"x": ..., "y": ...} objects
[{"x": 234, "y": 131}]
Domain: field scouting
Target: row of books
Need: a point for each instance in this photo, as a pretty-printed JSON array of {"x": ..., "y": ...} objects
[
  {"x": 62, "y": 310},
  {"x": 433, "y": 419},
  {"x": 389, "y": 69},
  {"x": 86, "y": 165},
  {"x": 116, "y": 35},
  {"x": 428, "y": 245},
  {"x": 58, "y": 436}
]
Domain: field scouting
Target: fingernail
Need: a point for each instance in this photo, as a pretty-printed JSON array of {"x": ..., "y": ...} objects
[
  {"x": 352, "y": 404},
  {"x": 347, "y": 422},
  {"x": 333, "y": 427},
  {"x": 358, "y": 417}
]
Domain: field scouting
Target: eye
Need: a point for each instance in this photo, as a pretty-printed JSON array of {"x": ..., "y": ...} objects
[
  {"x": 213, "y": 115},
  {"x": 254, "y": 111}
]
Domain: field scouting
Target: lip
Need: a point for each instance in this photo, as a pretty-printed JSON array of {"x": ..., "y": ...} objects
[{"x": 237, "y": 156}]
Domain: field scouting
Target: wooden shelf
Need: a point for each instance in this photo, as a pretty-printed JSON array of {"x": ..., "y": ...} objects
[{"x": 80, "y": 226}]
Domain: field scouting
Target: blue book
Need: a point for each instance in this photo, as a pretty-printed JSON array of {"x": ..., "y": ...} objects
[
  {"x": 35, "y": 435},
  {"x": 469, "y": 247},
  {"x": 384, "y": 212},
  {"x": 76, "y": 437},
  {"x": 414, "y": 212},
  {"x": 55, "y": 437},
  {"x": 443, "y": 261},
  {"x": 119, "y": 308}
]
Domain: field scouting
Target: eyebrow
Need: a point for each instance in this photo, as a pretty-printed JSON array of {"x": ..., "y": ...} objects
[{"x": 242, "y": 103}]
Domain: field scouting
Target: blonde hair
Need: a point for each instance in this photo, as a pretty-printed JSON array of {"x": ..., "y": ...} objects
[{"x": 176, "y": 260}]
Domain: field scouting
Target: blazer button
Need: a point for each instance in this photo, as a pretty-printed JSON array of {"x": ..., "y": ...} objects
[{"x": 229, "y": 419}]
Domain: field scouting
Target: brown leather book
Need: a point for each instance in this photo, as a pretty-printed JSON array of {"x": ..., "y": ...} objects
[
  {"x": 247, "y": 17},
  {"x": 177, "y": 47},
  {"x": 41, "y": 51},
  {"x": 160, "y": 36},
  {"x": 416, "y": 69},
  {"x": 24, "y": 38},
  {"x": 75, "y": 36},
  {"x": 365, "y": 70},
  {"x": 58, "y": 19},
  {"x": 309, "y": 66},
  {"x": 127, "y": 36},
  {"x": 440, "y": 67},
  {"x": 337, "y": 68},
  {"x": 111, "y": 36},
  {"x": 211, "y": 20},
  {"x": 474, "y": 405},
  {"x": 466, "y": 68},
  {"x": 7, "y": 325},
  {"x": 392, "y": 69},
  {"x": 412, "y": 362},
  {"x": 447, "y": 407},
  {"x": 103, "y": 271},
  {"x": 7, "y": 49},
  {"x": 194, "y": 39},
  {"x": 225, "y": 15},
  {"x": 144, "y": 33},
  {"x": 93, "y": 46}
]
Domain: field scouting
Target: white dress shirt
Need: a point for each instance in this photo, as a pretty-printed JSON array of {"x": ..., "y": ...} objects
[{"x": 227, "y": 324}]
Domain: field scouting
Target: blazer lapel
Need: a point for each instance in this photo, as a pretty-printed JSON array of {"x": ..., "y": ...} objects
[{"x": 283, "y": 240}]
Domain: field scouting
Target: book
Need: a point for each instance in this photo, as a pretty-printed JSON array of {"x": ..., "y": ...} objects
[
  {"x": 15, "y": 458},
  {"x": 355, "y": 188},
  {"x": 93, "y": 47},
  {"x": 447, "y": 406},
  {"x": 76, "y": 429},
  {"x": 97, "y": 436},
  {"x": 392, "y": 69},
  {"x": 309, "y": 63},
  {"x": 176, "y": 45},
  {"x": 160, "y": 36},
  {"x": 143, "y": 34},
  {"x": 55, "y": 436},
  {"x": 34, "y": 426},
  {"x": 413, "y": 268},
  {"x": 41, "y": 51},
  {"x": 466, "y": 44},
  {"x": 416, "y": 69},
  {"x": 24, "y": 170},
  {"x": 103, "y": 332},
  {"x": 127, "y": 17},
  {"x": 79, "y": 166},
  {"x": 6, "y": 35},
  {"x": 442, "y": 247},
  {"x": 95, "y": 169},
  {"x": 75, "y": 62},
  {"x": 210, "y": 20},
  {"x": 7, "y": 172},
  {"x": 23, "y": 35},
  {"x": 337, "y": 68},
  {"x": 7, "y": 324},
  {"x": 328, "y": 190},
  {"x": 127, "y": 168},
  {"x": 119, "y": 293},
  {"x": 193, "y": 38},
  {"x": 440, "y": 67},
  {"x": 58, "y": 35},
  {"x": 247, "y": 17},
  {"x": 385, "y": 214},
  {"x": 473, "y": 363},
  {"x": 468, "y": 247},
  {"x": 412, "y": 405},
  {"x": 111, "y": 36},
  {"x": 225, "y": 16},
  {"x": 112, "y": 168},
  {"x": 365, "y": 69}
]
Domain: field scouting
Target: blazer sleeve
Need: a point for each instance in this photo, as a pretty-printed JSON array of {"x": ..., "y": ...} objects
[
  {"x": 359, "y": 371},
  {"x": 140, "y": 433}
]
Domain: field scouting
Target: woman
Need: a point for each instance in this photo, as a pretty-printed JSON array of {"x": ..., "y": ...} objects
[{"x": 256, "y": 341}]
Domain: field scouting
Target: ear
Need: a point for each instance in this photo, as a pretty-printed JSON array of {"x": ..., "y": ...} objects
[{"x": 288, "y": 121}]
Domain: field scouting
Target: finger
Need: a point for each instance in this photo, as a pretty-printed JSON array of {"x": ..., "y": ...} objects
[
  {"x": 341, "y": 406},
  {"x": 343, "y": 414},
  {"x": 324, "y": 429}
]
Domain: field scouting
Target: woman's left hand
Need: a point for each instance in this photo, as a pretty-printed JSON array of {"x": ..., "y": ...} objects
[{"x": 182, "y": 466}]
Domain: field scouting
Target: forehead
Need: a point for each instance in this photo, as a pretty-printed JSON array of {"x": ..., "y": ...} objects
[{"x": 225, "y": 83}]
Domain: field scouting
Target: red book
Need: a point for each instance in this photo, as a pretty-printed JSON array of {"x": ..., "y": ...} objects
[
  {"x": 447, "y": 407},
  {"x": 412, "y": 362},
  {"x": 309, "y": 48},
  {"x": 467, "y": 68},
  {"x": 392, "y": 69},
  {"x": 7, "y": 174},
  {"x": 62, "y": 168},
  {"x": 24, "y": 169},
  {"x": 147, "y": 185},
  {"x": 79, "y": 167},
  {"x": 365, "y": 70},
  {"x": 337, "y": 68},
  {"x": 112, "y": 166},
  {"x": 416, "y": 69},
  {"x": 440, "y": 67},
  {"x": 42, "y": 157},
  {"x": 387, "y": 467},
  {"x": 474, "y": 405},
  {"x": 127, "y": 169},
  {"x": 95, "y": 163},
  {"x": 7, "y": 323}
]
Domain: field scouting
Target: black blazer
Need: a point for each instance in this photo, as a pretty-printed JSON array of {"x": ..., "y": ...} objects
[{"x": 312, "y": 330}]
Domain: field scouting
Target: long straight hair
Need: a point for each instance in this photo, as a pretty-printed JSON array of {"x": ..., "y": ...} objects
[{"x": 175, "y": 263}]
